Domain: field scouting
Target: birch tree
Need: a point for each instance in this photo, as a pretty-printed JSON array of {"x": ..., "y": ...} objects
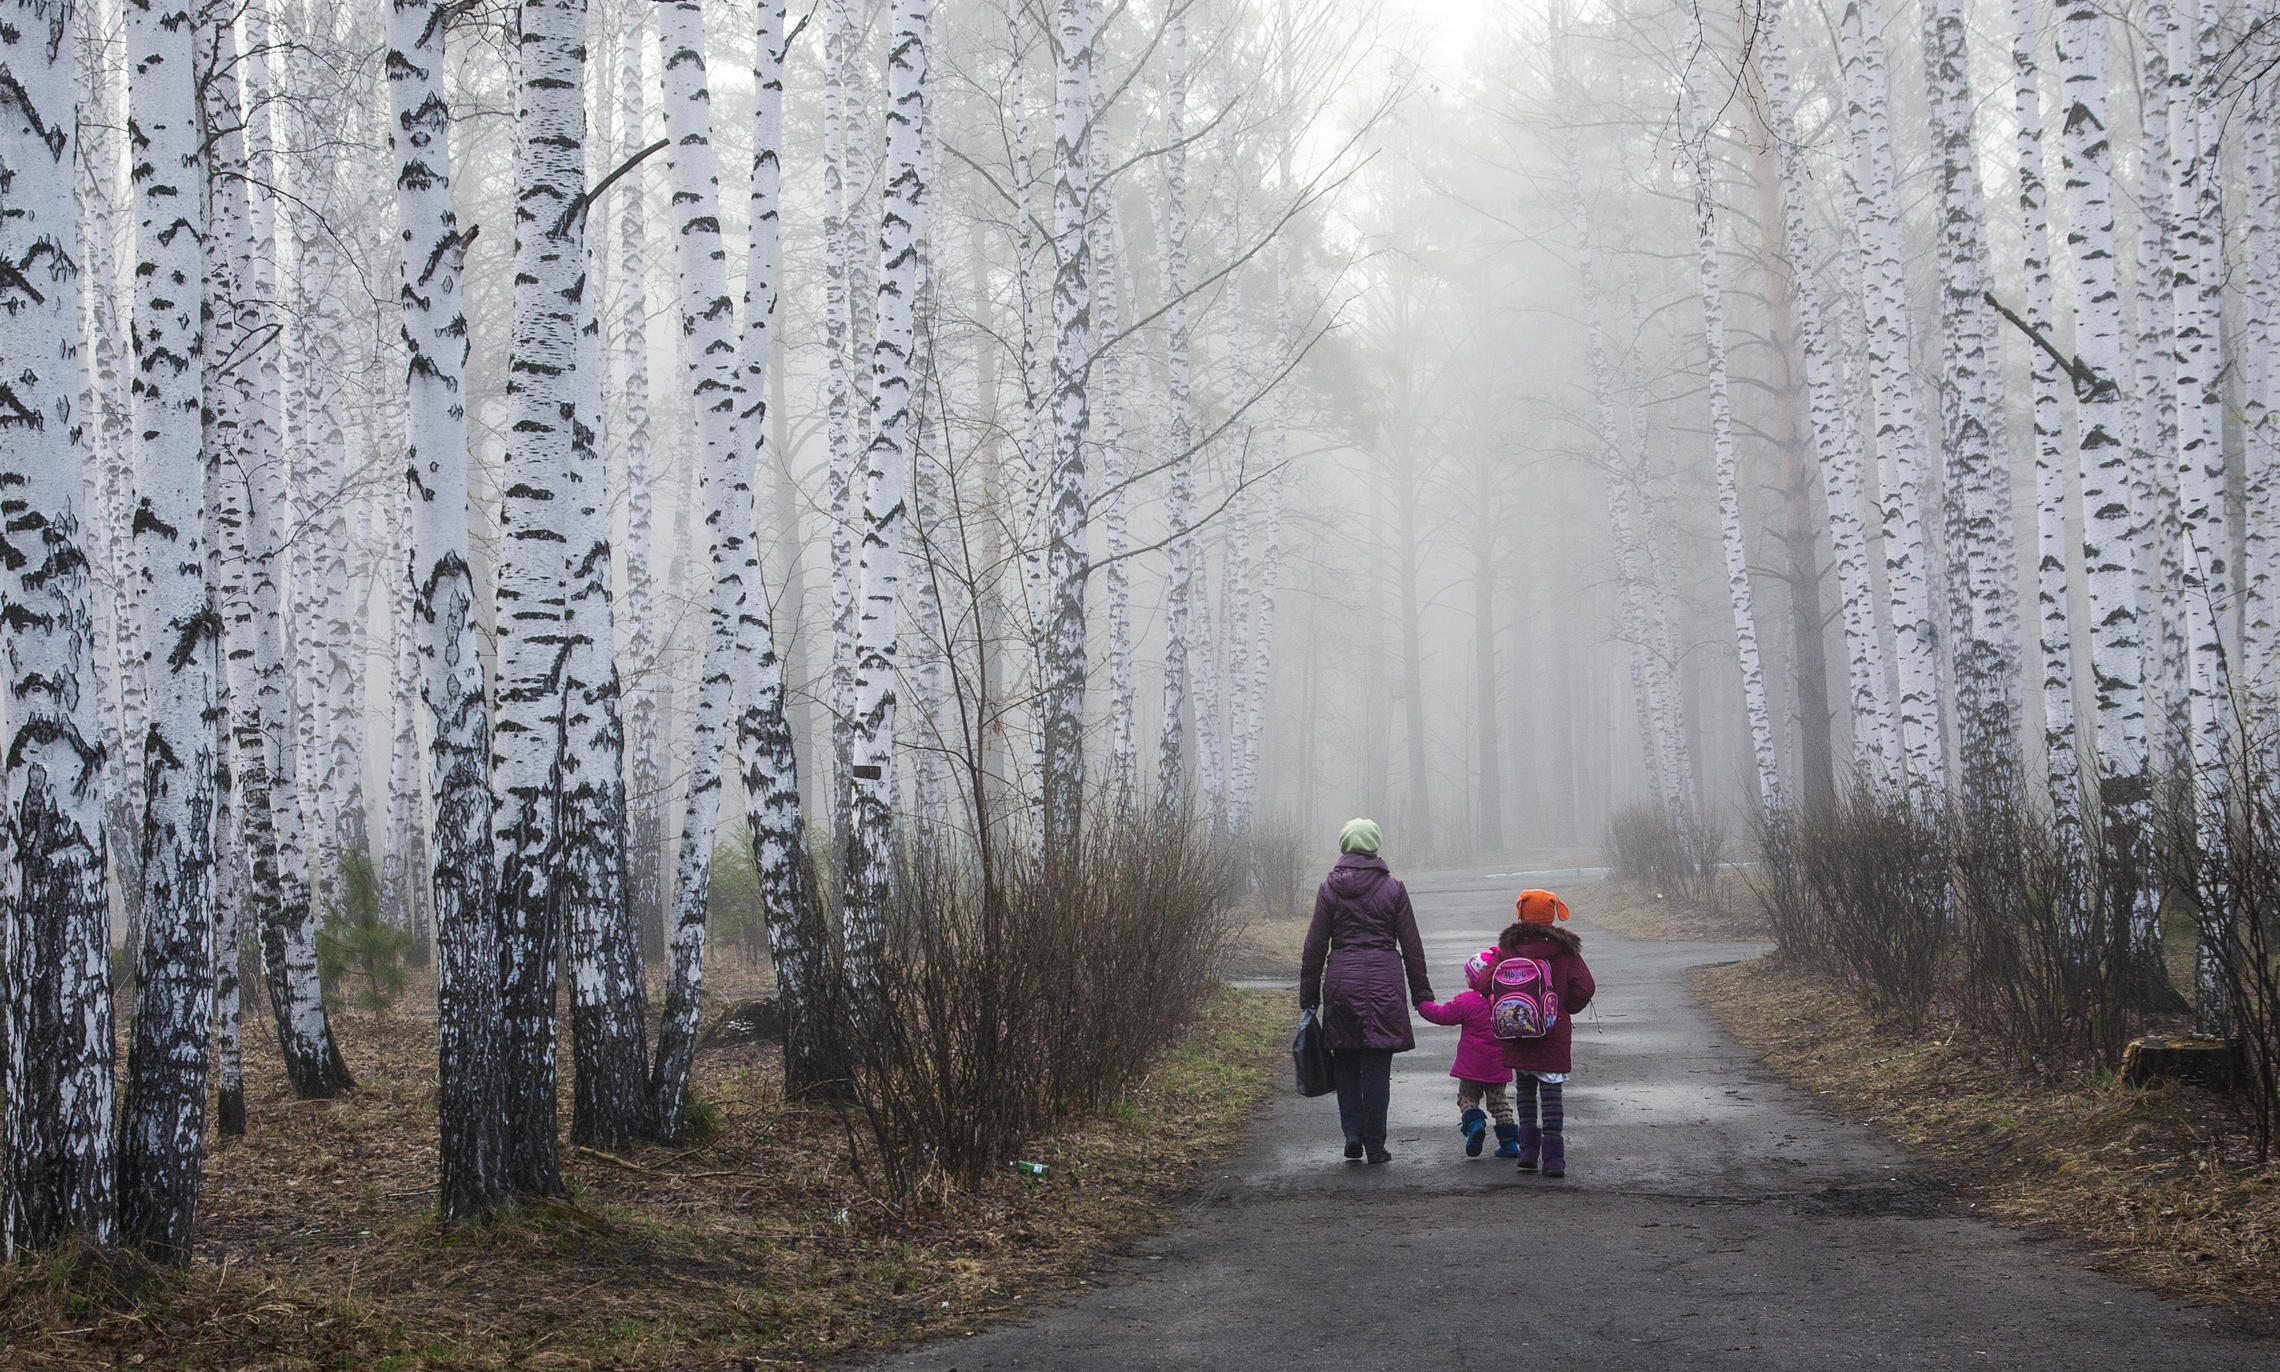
[
  {"x": 57, "y": 1150},
  {"x": 545, "y": 394},
  {"x": 1875, "y": 748},
  {"x": 1722, "y": 430},
  {"x": 163, "y": 1124},
  {"x": 2061, "y": 760},
  {"x": 2103, "y": 455},
  {"x": 1901, "y": 448},
  {"x": 1171, "y": 771},
  {"x": 871, "y": 830}
]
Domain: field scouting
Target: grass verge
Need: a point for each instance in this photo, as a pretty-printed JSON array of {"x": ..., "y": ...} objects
[
  {"x": 2162, "y": 1184},
  {"x": 1637, "y": 910},
  {"x": 760, "y": 1245}
]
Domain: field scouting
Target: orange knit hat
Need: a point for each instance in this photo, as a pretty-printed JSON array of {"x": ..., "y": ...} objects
[{"x": 1540, "y": 907}]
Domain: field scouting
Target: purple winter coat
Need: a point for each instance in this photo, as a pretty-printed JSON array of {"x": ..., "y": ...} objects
[
  {"x": 1361, "y": 945},
  {"x": 1563, "y": 952}
]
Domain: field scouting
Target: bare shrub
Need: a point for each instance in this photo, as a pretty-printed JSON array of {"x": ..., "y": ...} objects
[
  {"x": 1778, "y": 881},
  {"x": 1876, "y": 865},
  {"x": 2225, "y": 850},
  {"x": 1675, "y": 852},
  {"x": 2039, "y": 968},
  {"x": 1008, "y": 1002}
]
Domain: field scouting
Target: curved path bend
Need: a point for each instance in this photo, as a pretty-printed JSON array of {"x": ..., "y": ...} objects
[{"x": 1711, "y": 1217}]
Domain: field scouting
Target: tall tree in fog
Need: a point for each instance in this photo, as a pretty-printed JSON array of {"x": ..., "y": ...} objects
[
  {"x": 871, "y": 830},
  {"x": 710, "y": 368},
  {"x": 2197, "y": 269},
  {"x": 841, "y": 39},
  {"x": 1179, "y": 509},
  {"x": 1983, "y": 572},
  {"x": 1062, "y": 691},
  {"x": 545, "y": 402},
  {"x": 2152, "y": 486},
  {"x": 2260, "y": 523},
  {"x": 56, "y": 1084},
  {"x": 469, "y": 1045},
  {"x": 162, "y": 1128},
  {"x": 2062, "y": 760},
  {"x": 1722, "y": 425},
  {"x": 1875, "y": 745},
  {"x": 1903, "y": 455},
  {"x": 2108, "y": 536}
]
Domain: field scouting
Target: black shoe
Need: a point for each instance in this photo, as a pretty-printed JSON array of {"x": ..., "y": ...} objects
[
  {"x": 1353, "y": 1150},
  {"x": 1378, "y": 1155}
]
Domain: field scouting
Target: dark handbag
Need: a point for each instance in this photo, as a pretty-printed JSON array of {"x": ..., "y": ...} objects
[{"x": 1310, "y": 1057}]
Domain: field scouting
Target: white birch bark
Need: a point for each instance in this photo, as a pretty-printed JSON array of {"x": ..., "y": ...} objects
[
  {"x": 871, "y": 831},
  {"x": 1066, "y": 559},
  {"x": 1901, "y": 443},
  {"x": 2108, "y": 532},
  {"x": 2061, "y": 760},
  {"x": 1109, "y": 259},
  {"x": 57, "y": 1145},
  {"x": 1722, "y": 433},
  {"x": 2260, "y": 425},
  {"x": 1983, "y": 623},
  {"x": 1171, "y": 772},
  {"x": 840, "y": 42},
  {"x": 462, "y": 872},
  {"x": 543, "y": 398},
  {"x": 2153, "y": 492},
  {"x": 162, "y": 1128},
  {"x": 1875, "y": 744}
]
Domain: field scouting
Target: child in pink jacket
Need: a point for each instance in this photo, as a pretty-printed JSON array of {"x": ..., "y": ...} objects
[{"x": 1479, "y": 1069}]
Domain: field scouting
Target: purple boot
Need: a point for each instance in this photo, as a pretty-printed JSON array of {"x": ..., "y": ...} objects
[
  {"x": 1555, "y": 1155},
  {"x": 1531, "y": 1146}
]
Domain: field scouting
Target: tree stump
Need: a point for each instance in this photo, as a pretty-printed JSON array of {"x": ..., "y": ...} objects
[
  {"x": 747, "y": 1021},
  {"x": 2190, "y": 1058}
]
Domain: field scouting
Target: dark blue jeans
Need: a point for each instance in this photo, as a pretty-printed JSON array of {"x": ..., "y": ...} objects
[{"x": 1365, "y": 1085}]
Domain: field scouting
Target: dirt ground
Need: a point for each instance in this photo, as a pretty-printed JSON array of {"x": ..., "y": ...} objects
[
  {"x": 2163, "y": 1184},
  {"x": 756, "y": 1244}
]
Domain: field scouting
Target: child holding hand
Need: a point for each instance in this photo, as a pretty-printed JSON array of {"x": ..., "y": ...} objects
[
  {"x": 1479, "y": 1069},
  {"x": 1540, "y": 1052}
]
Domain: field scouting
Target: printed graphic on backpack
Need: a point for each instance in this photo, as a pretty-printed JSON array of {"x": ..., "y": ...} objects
[{"x": 1523, "y": 1004}]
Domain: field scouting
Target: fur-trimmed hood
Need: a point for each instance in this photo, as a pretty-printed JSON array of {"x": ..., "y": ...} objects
[{"x": 1561, "y": 939}]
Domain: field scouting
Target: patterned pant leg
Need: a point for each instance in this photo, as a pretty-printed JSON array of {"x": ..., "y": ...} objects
[
  {"x": 1525, "y": 1089},
  {"x": 1499, "y": 1104}
]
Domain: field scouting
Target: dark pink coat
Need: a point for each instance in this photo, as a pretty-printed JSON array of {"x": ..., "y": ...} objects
[
  {"x": 1480, "y": 1054},
  {"x": 1564, "y": 952},
  {"x": 1361, "y": 948}
]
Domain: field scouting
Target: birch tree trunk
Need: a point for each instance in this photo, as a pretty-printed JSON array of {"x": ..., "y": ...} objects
[
  {"x": 2153, "y": 494},
  {"x": 1066, "y": 560},
  {"x": 1109, "y": 257},
  {"x": 840, "y": 41},
  {"x": 1875, "y": 747},
  {"x": 708, "y": 330},
  {"x": 1179, "y": 510},
  {"x": 871, "y": 832},
  {"x": 2260, "y": 543},
  {"x": 1900, "y": 430},
  {"x": 163, "y": 1126},
  {"x": 2061, "y": 761},
  {"x": 2197, "y": 275},
  {"x": 1984, "y": 624},
  {"x": 2108, "y": 536},
  {"x": 469, "y": 1036},
  {"x": 1722, "y": 438},
  {"x": 57, "y": 1148},
  {"x": 544, "y": 404}
]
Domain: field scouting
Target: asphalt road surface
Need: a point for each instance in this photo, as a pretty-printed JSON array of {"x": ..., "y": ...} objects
[{"x": 1711, "y": 1217}]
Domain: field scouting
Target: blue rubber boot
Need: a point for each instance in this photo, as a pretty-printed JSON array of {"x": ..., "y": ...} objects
[
  {"x": 1508, "y": 1140},
  {"x": 1531, "y": 1145},
  {"x": 1475, "y": 1125}
]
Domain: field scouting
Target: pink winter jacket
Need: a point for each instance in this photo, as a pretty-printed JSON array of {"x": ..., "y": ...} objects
[{"x": 1480, "y": 1054}]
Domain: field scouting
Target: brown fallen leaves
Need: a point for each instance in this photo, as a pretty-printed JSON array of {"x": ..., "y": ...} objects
[{"x": 758, "y": 1244}]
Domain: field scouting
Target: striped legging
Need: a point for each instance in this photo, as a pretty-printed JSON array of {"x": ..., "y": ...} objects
[{"x": 1543, "y": 1100}]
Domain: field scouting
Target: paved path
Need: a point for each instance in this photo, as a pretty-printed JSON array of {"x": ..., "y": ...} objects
[{"x": 1711, "y": 1217}]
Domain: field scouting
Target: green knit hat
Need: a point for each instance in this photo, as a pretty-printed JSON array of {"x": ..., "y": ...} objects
[{"x": 1359, "y": 836}]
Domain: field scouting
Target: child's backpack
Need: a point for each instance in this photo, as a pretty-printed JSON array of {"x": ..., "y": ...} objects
[{"x": 1523, "y": 1002}]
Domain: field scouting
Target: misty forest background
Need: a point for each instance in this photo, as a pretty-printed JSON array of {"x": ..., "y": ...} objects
[{"x": 483, "y": 482}]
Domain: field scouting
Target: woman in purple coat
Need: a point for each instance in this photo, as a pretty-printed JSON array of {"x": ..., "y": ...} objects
[{"x": 1361, "y": 948}]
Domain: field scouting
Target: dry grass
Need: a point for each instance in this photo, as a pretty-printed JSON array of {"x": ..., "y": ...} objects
[
  {"x": 1266, "y": 947},
  {"x": 1638, "y": 910},
  {"x": 318, "y": 1246},
  {"x": 2163, "y": 1184}
]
